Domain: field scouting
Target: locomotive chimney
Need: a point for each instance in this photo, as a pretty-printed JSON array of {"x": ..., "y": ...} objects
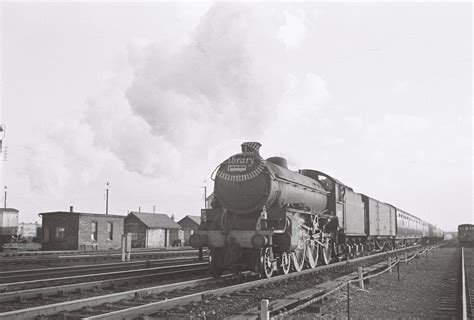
[{"x": 251, "y": 147}]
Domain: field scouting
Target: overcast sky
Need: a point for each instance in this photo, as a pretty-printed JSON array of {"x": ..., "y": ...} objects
[{"x": 152, "y": 96}]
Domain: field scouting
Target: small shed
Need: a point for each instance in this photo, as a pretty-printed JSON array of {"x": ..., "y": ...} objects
[
  {"x": 189, "y": 225},
  {"x": 69, "y": 230},
  {"x": 151, "y": 230},
  {"x": 8, "y": 222}
]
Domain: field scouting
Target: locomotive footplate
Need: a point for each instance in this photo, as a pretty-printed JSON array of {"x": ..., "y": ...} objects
[{"x": 240, "y": 238}]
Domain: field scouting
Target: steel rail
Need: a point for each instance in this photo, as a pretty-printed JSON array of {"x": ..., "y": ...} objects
[
  {"x": 463, "y": 284},
  {"x": 74, "y": 305},
  {"x": 84, "y": 286},
  {"x": 74, "y": 279},
  {"x": 44, "y": 273},
  {"x": 79, "y": 252},
  {"x": 85, "y": 256}
]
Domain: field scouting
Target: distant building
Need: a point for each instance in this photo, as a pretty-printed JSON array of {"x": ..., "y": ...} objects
[
  {"x": 151, "y": 230},
  {"x": 69, "y": 230},
  {"x": 8, "y": 224},
  {"x": 189, "y": 225},
  {"x": 28, "y": 230}
]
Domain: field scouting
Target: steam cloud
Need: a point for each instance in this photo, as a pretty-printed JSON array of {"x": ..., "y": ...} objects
[{"x": 231, "y": 78}]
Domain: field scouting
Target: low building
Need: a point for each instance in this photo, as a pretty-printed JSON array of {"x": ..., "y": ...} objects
[
  {"x": 8, "y": 224},
  {"x": 69, "y": 230},
  {"x": 151, "y": 230},
  {"x": 189, "y": 225},
  {"x": 28, "y": 230}
]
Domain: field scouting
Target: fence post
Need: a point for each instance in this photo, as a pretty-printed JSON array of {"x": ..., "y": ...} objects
[
  {"x": 123, "y": 247},
  {"x": 361, "y": 280},
  {"x": 398, "y": 270},
  {"x": 348, "y": 302},
  {"x": 390, "y": 264},
  {"x": 264, "y": 313}
]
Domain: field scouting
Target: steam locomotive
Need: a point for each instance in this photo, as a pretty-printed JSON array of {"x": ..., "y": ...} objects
[{"x": 267, "y": 218}]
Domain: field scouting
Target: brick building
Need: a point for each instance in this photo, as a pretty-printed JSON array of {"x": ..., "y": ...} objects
[
  {"x": 151, "y": 230},
  {"x": 69, "y": 230},
  {"x": 189, "y": 225}
]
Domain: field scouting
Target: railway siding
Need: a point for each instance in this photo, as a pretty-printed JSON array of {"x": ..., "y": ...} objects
[{"x": 469, "y": 283}]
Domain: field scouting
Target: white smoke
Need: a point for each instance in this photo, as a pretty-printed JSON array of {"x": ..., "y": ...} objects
[
  {"x": 234, "y": 76},
  {"x": 231, "y": 78},
  {"x": 63, "y": 157}
]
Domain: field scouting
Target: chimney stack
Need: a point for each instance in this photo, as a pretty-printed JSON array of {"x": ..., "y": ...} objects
[
  {"x": 251, "y": 147},
  {"x": 71, "y": 209}
]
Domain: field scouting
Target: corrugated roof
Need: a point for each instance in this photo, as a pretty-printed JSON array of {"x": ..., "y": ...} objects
[
  {"x": 156, "y": 220},
  {"x": 196, "y": 219}
]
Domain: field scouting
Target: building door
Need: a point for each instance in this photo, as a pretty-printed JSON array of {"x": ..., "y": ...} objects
[{"x": 156, "y": 238}]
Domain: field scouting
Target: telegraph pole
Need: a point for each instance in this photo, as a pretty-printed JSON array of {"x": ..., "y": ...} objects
[
  {"x": 3, "y": 157},
  {"x": 107, "y": 198},
  {"x": 205, "y": 194}
]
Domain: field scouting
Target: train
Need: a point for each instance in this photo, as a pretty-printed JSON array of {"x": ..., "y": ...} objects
[
  {"x": 466, "y": 235},
  {"x": 267, "y": 218}
]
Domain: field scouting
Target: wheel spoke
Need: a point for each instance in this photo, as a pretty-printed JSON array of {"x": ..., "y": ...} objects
[
  {"x": 285, "y": 262},
  {"x": 312, "y": 251},
  {"x": 298, "y": 259},
  {"x": 266, "y": 264}
]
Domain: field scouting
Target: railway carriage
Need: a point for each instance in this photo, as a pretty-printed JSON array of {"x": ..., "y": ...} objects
[
  {"x": 466, "y": 235},
  {"x": 267, "y": 218}
]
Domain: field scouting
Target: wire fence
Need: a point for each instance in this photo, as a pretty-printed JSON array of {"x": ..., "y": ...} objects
[{"x": 346, "y": 284}]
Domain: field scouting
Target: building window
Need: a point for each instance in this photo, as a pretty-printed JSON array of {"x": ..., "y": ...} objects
[
  {"x": 134, "y": 236},
  {"x": 94, "y": 231},
  {"x": 110, "y": 230},
  {"x": 60, "y": 231}
]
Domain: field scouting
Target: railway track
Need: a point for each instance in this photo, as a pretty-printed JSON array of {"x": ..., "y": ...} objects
[
  {"x": 90, "y": 256},
  {"x": 30, "y": 298},
  {"x": 55, "y": 272},
  {"x": 13, "y": 254},
  {"x": 457, "y": 298},
  {"x": 181, "y": 299},
  {"x": 115, "y": 275},
  {"x": 467, "y": 291}
]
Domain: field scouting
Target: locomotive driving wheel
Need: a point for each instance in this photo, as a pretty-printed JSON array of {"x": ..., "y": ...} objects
[
  {"x": 266, "y": 262},
  {"x": 312, "y": 253},
  {"x": 299, "y": 257},
  {"x": 285, "y": 262},
  {"x": 326, "y": 252}
]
